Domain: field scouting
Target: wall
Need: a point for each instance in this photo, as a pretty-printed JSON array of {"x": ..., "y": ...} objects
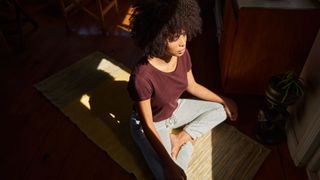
[{"x": 304, "y": 127}]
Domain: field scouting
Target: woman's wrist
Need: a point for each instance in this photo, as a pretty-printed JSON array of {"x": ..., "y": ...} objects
[{"x": 222, "y": 101}]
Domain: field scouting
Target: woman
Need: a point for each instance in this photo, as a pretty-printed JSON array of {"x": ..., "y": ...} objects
[{"x": 161, "y": 28}]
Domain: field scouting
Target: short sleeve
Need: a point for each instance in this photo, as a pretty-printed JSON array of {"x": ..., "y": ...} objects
[
  {"x": 139, "y": 88},
  {"x": 188, "y": 61}
]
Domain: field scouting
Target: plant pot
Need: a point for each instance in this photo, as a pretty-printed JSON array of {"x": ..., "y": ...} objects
[
  {"x": 271, "y": 126},
  {"x": 276, "y": 95},
  {"x": 282, "y": 90}
]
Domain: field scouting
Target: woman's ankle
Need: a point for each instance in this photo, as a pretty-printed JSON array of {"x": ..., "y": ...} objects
[{"x": 184, "y": 137}]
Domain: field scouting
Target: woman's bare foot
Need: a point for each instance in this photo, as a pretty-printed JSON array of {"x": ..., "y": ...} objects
[
  {"x": 177, "y": 140},
  {"x": 175, "y": 145}
]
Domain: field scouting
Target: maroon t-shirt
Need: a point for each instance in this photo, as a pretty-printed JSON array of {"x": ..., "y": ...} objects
[{"x": 162, "y": 88}]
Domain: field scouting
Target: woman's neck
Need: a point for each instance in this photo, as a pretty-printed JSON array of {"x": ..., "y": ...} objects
[
  {"x": 163, "y": 59},
  {"x": 165, "y": 64}
]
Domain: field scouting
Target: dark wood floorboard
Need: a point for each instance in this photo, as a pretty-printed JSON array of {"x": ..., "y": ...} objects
[{"x": 39, "y": 142}]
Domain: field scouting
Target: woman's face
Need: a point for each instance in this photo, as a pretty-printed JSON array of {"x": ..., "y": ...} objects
[{"x": 176, "y": 45}]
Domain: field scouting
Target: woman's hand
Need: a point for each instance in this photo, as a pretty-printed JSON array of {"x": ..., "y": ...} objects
[
  {"x": 231, "y": 108},
  {"x": 173, "y": 171}
]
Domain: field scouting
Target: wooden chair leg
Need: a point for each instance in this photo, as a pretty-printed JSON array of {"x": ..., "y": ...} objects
[
  {"x": 20, "y": 14},
  {"x": 25, "y": 14},
  {"x": 101, "y": 15},
  {"x": 101, "y": 11},
  {"x": 116, "y": 6},
  {"x": 65, "y": 14}
]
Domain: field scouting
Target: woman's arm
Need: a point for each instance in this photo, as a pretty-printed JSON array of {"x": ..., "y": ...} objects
[
  {"x": 203, "y": 93},
  {"x": 172, "y": 170}
]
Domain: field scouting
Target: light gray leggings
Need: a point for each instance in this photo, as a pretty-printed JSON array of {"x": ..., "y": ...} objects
[{"x": 195, "y": 116}]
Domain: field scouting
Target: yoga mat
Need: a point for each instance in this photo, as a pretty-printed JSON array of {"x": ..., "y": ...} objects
[{"x": 93, "y": 94}]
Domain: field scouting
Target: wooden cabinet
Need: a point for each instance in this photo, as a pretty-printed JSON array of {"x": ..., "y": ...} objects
[{"x": 260, "y": 40}]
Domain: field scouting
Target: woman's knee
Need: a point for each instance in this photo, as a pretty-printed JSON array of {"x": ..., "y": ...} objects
[
  {"x": 215, "y": 106},
  {"x": 220, "y": 113}
]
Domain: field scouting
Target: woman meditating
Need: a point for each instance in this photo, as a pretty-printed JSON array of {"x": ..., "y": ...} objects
[{"x": 161, "y": 29}]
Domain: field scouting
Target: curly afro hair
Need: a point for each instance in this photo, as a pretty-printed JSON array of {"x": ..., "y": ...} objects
[{"x": 153, "y": 22}]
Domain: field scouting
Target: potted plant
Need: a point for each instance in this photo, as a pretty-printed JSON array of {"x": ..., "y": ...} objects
[{"x": 282, "y": 90}]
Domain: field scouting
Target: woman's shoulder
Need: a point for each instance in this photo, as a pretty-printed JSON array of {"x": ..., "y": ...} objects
[
  {"x": 186, "y": 53},
  {"x": 186, "y": 59},
  {"x": 142, "y": 67}
]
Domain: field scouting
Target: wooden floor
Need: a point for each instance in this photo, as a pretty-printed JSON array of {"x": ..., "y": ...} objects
[{"x": 39, "y": 142}]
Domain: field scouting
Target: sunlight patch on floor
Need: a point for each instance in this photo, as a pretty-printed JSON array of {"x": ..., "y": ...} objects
[
  {"x": 113, "y": 70},
  {"x": 114, "y": 117},
  {"x": 117, "y": 73},
  {"x": 85, "y": 101}
]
